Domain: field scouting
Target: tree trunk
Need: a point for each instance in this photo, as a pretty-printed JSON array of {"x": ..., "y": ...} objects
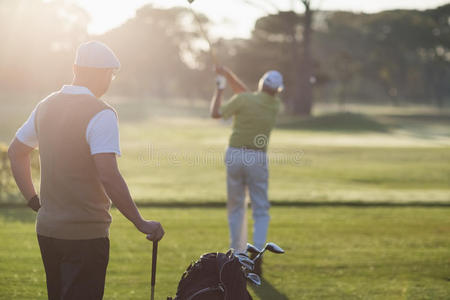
[
  {"x": 294, "y": 74},
  {"x": 304, "y": 101}
]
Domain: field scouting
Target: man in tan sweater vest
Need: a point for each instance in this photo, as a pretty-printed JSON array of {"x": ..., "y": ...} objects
[{"x": 78, "y": 139}]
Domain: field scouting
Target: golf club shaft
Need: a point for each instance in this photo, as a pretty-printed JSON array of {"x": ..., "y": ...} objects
[
  {"x": 154, "y": 258},
  {"x": 257, "y": 257},
  {"x": 260, "y": 254},
  {"x": 203, "y": 32},
  {"x": 153, "y": 279}
]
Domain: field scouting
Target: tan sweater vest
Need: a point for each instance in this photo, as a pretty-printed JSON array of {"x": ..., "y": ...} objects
[{"x": 74, "y": 203}]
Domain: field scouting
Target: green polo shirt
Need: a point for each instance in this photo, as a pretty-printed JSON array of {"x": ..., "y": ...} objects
[{"x": 254, "y": 118}]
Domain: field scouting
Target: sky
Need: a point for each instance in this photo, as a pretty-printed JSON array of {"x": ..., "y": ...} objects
[{"x": 233, "y": 18}]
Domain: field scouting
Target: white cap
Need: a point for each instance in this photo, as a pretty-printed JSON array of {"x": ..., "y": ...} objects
[
  {"x": 273, "y": 80},
  {"x": 95, "y": 54}
]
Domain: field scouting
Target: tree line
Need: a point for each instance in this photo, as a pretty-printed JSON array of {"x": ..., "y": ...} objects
[{"x": 392, "y": 56}]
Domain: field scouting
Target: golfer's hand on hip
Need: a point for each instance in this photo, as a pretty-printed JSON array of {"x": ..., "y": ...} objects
[{"x": 153, "y": 229}]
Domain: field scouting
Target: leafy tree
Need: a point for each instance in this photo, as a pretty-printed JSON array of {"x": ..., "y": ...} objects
[
  {"x": 298, "y": 33},
  {"x": 397, "y": 55},
  {"x": 400, "y": 55},
  {"x": 38, "y": 42},
  {"x": 150, "y": 46},
  {"x": 303, "y": 105}
]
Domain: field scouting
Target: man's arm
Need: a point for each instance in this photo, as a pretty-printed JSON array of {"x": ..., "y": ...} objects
[
  {"x": 236, "y": 84},
  {"x": 118, "y": 192},
  {"x": 19, "y": 157}
]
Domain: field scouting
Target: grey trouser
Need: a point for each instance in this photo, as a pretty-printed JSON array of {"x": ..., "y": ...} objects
[{"x": 247, "y": 169}]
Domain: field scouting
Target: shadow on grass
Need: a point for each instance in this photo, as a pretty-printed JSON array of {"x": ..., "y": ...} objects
[
  {"x": 267, "y": 291},
  {"x": 21, "y": 213},
  {"x": 297, "y": 204},
  {"x": 278, "y": 203},
  {"x": 5, "y": 207},
  {"x": 346, "y": 121},
  {"x": 441, "y": 118}
]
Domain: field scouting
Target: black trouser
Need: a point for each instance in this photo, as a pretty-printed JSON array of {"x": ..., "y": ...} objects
[{"x": 75, "y": 269}]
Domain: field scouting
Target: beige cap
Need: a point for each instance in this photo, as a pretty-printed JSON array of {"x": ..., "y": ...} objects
[{"x": 95, "y": 54}]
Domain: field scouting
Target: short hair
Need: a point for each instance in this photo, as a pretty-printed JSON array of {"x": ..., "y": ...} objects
[{"x": 269, "y": 90}]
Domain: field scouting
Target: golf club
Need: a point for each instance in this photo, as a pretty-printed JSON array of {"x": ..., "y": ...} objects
[
  {"x": 252, "y": 249},
  {"x": 246, "y": 262},
  {"x": 272, "y": 247},
  {"x": 203, "y": 32},
  {"x": 153, "y": 279},
  {"x": 254, "y": 278}
]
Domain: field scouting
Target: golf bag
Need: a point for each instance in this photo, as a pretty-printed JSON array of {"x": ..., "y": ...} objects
[{"x": 215, "y": 276}]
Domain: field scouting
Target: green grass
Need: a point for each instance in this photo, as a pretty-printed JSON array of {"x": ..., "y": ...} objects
[
  {"x": 182, "y": 161},
  {"x": 173, "y": 153},
  {"x": 334, "y": 253},
  {"x": 346, "y": 122}
]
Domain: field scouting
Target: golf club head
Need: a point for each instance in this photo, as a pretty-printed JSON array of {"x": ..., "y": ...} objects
[
  {"x": 246, "y": 262},
  {"x": 243, "y": 256},
  {"x": 246, "y": 265},
  {"x": 254, "y": 278},
  {"x": 252, "y": 249},
  {"x": 272, "y": 247}
]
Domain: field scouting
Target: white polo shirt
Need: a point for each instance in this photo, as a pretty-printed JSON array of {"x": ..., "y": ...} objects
[{"x": 102, "y": 132}]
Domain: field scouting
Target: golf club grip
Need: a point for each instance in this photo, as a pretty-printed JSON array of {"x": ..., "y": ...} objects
[{"x": 154, "y": 257}]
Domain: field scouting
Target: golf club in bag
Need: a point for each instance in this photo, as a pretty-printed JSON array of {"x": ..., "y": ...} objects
[
  {"x": 153, "y": 279},
  {"x": 221, "y": 276}
]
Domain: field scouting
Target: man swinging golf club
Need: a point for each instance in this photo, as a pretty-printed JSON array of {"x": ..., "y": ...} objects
[
  {"x": 254, "y": 118},
  {"x": 78, "y": 139}
]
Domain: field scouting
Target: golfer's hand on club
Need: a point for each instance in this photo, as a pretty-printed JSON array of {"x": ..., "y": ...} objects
[
  {"x": 222, "y": 70},
  {"x": 153, "y": 229},
  {"x": 34, "y": 203},
  {"x": 221, "y": 82}
]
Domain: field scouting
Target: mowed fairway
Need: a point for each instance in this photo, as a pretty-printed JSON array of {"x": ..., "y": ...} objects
[
  {"x": 173, "y": 157},
  {"x": 180, "y": 159},
  {"x": 333, "y": 253},
  {"x": 172, "y": 153}
]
